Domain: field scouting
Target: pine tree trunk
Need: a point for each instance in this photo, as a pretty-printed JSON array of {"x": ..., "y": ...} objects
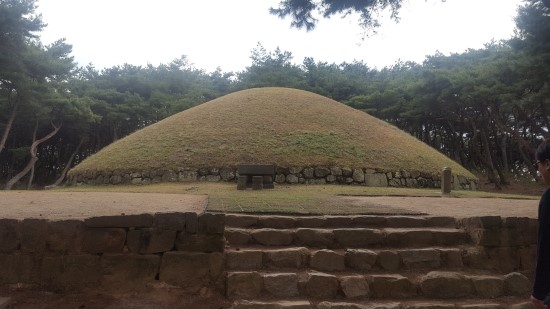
[
  {"x": 66, "y": 169},
  {"x": 9, "y": 125},
  {"x": 33, "y": 159}
]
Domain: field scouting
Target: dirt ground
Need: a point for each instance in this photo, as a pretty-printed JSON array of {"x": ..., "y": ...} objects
[{"x": 81, "y": 205}]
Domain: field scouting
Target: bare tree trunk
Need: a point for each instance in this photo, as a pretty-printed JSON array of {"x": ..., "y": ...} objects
[
  {"x": 31, "y": 177},
  {"x": 503, "y": 146},
  {"x": 522, "y": 143},
  {"x": 492, "y": 173},
  {"x": 67, "y": 166},
  {"x": 9, "y": 125},
  {"x": 33, "y": 159}
]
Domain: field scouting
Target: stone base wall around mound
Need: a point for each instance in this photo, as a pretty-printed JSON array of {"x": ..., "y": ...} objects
[{"x": 293, "y": 175}]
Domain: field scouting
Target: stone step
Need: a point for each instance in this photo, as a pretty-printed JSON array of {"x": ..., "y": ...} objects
[
  {"x": 288, "y": 222},
  {"x": 349, "y": 259},
  {"x": 348, "y": 237},
  {"x": 319, "y": 286},
  {"x": 4, "y": 302},
  {"x": 427, "y": 304}
]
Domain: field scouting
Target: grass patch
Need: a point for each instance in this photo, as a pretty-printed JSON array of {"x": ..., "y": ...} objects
[{"x": 296, "y": 199}]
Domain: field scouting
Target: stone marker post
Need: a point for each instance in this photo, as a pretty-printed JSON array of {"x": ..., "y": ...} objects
[
  {"x": 446, "y": 180},
  {"x": 241, "y": 183}
]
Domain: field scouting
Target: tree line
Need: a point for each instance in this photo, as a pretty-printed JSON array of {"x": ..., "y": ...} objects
[{"x": 485, "y": 108}]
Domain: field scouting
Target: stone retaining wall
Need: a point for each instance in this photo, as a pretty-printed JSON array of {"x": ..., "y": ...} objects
[
  {"x": 292, "y": 175},
  {"x": 187, "y": 250},
  {"x": 114, "y": 252},
  {"x": 505, "y": 244}
]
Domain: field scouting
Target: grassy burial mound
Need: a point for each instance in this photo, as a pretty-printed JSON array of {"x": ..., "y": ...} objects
[{"x": 304, "y": 134}]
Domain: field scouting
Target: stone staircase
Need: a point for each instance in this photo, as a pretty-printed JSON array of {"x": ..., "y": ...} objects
[{"x": 363, "y": 262}]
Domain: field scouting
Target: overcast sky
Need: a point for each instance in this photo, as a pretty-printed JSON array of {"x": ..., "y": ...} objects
[{"x": 222, "y": 33}]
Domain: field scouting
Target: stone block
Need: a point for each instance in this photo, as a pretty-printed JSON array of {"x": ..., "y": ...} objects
[
  {"x": 169, "y": 221},
  {"x": 244, "y": 260},
  {"x": 70, "y": 272},
  {"x": 420, "y": 258},
  {"x": 338, "y": 221},
  {"x": 244, "y": 284},
  {"x": 272, "y": 237},
  {"x": 358, "y": 175},
  {"x": 448, "y": 222},
  {"x": 410, "y": 238},
  {"x": 309, "y": 173},
  {"x": 488, "y": 287},
  {"x": 451, "y": 258},
  {"x": 5, "y": 302},
  {"x": 240, "y": 221},
  {"x": 405, "y": 222},
  {"x": 431, "y": 306},
  {"x": 450, "y": 237},
  {"x": 276, "y": 222},
  {"x": 320, "y": 238},
  {"x": 368, "y": 221},
  {"x": 281, "y": 284},
  {"x": 211, "y": 223},
  {"x": 200, "y": 242},
  {"x": 391, "y": 286},
  {"x": 187, "y": 175},
  {"x": 516, "y": 284},
  {"x": 127, "y": 272},
  {"x": 242, "y": 182},
  {"x": 237, "y": 238},
  {"x": 150, "y": 240},
  {"x": 65, "y": 236},
  {"x": 321, "y": 172},
  {"x": 281, "y": 304},
  {"x": 327, "y": 260},
  {"x": 376, "y": 180},
  {"x": 19, "y": 268},
  {"x": 123, "y": 221},
  {"x": 438, "y": 284},
  {"x": 287, "y": 258},
  {"x": 191, "y": 270},
  {"x": 103, "y": 240},
  {"x": 486, "y": 238},
  {"x": 33, "y": 235},
  {"x": 505, "y": 259},
  {"x": 477, "y": 258},
  {"x": 358, "y": 237},
  {"x": 280, "y": 178},
  {"x": 321, "y": 285},
  {"x": 528, "y": 256},
  {"x": 354, "y": 286},
  {"x": 257, "y": 182},
  {"x": 9, "y": 235},
  {"x": 485, "y": 222},
  {"x": 191, "y": 222},
  {"x": 311, "y": 222},
  {"x": 524, "y": 305},
  {"x": 360, "y": 259},
  {"x": 388, "y": 260}
]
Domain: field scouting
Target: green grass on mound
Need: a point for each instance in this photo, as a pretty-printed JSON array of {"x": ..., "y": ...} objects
[{"x": 283, "y": 126}]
